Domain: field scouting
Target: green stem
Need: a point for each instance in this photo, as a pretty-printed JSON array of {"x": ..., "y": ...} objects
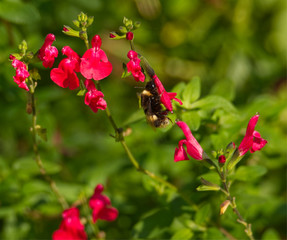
[
  {"x": 38, "y": 160},
  {"x": 135, "y": 162},
  {"x": 240, "y": 219}
]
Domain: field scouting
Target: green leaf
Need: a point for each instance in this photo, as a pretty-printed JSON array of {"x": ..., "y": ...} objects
[
  {"x": 203, "y": 214},
  {"x": 19, "y": 12},
  {"x": 213, "y": 102},
  {"x": 153, "y": 225},
  {"x": 192, "y": 119},
  {"x": 225, "y": 89},
  {"x": 135, "y": 117},
  {"x": 191, "y": 92},
  {"x": 249, "y": 173},
  {"x": 270, "y": 234},
  {"x": 184, "y": 233},
  {"x": 213, "y": 233}
]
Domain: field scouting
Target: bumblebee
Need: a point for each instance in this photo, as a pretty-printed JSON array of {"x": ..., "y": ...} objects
[{"x": 151, "y": 104}]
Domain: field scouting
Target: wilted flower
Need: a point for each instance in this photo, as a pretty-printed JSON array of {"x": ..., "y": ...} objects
[
  {"x": 47, "y": 52},
  {"x": 252, "y": 140},
  {"x": 165, "y": 97},
  {"x": 71, "y": 227},
  {"x": 94, "y": 63},
  {"x": 192, "y": 146},
  {"x": 94, "y": 98},
  {"x": 134, "y": 66},
  {"x": 65, "y": 75},
  {"x": 21, "y": 73},
  {"x": 101, "y": 206}
]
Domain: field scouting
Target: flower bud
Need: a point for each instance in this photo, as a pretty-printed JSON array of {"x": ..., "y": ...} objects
[
  {"x": 129, "y": 36},
  {"x": 224, "y": 206},
  {"x": 221, "y": 159},
  {"x": 70, "y": 31}
]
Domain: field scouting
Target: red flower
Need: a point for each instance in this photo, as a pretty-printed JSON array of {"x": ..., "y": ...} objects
[
  {"x": 47, "y": 52},
  {"x": 134, "y": 66},
  {"x": 94, "y": 98},
  {"x": 65, "y": 75},
  {"x": 101, "y": 206},
  {"x": 193, "y": 147},
  {"x": 21, "y": 74},
  {"x": 165, "y": 97},
  {"x": 71, "y": 227},
  {"x": 252, "y": 140},
  {"x": 95, "y": 64}
]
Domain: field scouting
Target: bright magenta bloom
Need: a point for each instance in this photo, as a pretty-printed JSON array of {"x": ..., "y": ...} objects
[
  {"x": 252, "y": 140},
  {"x": 47, "y": 52},
  {"x": 134, "y": 66},
  {"x": 192, "y": 146},
  {"x": 165, "y": 97},
  {"x": 65, "y": 75},
  {"x": 21, "y": 74},
  {"x": 101, "y": 206},
  {"x": 94, "y": 63},
  {"x": 94, "y": 98},
  {"x": 71, "y": 227},
  {"x": 222, "y": 159}
]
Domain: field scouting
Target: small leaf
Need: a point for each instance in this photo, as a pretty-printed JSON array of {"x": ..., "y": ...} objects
[
  {"x": 249, "y": 173},
  {"x": 184, "y": 233},
  {"x": 270, "y": 234},
  {"x": 192, "y": 119},
  {"x": 191, "y": 92}
]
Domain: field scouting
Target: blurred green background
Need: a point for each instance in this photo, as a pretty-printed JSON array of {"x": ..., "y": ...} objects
[{"x": 238, "y": 50}]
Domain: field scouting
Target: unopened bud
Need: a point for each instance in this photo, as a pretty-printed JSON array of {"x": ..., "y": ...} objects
[
  {"x": 70, "y": 31},
  {"x": 224, "y": 206},
  {"x": 221, "y": 159},
  {"x": 129, "y": 36}
]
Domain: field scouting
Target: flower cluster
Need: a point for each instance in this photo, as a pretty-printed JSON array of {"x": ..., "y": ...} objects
[
  {"x": 94, "y": 98},
  {"x": 252, "y": 142},
  {"x": 134, "y": 66},
  {"x": 21, "y": 74},
  {"x": 47, "y": 52},
  {"x": 71, "y": 227}
]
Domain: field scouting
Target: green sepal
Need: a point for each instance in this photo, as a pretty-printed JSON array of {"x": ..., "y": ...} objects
[
  {"x": 116, "y": 36},
  {"x": 123, "y": 29},
  {"x": 234, "y": 159},
  {"x": 90, "y": 21},
  {"x": 71, "y": 32},
  {"x": 81, "y": 92},
  {"x": 137, "y": 24},
  {"x": 41, "y": 132},
  {"x": 125, "y": 72}
]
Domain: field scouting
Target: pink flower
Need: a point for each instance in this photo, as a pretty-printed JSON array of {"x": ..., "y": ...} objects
[
  {"x": 193, "y": 147},
  {"x": 101, "y": 206},
  {"x": 134, "y": 66},
  {"x": 94, "y": 98},
  {"x": 165, "y": 97},
  {"x": 95, "y": 64},
  {"x": 21, "y": 74},
  {"x": 65, "y": 75},
  {"x": 71, "y": 227},
  {"x": 252, "y": 140},
  {"x": 47, "y": 52}
]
